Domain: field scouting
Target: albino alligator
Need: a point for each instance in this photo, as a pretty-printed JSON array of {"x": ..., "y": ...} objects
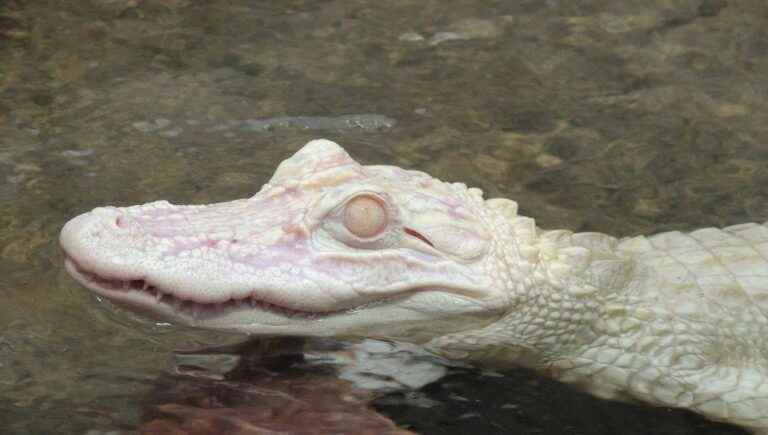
[{"x": 329, "y": 247}]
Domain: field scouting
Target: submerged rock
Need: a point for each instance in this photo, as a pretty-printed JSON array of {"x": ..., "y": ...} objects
[{"x": 337, "y": 123}]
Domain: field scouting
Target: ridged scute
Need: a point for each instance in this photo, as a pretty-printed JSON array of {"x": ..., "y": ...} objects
[
  {"x": 505, "y": 207},
  {"x": 719, "y": 269},
  {"x": 584, "y": 263}
]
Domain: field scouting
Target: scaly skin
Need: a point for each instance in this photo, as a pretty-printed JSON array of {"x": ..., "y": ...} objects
[{"x": 332, "y": 248}]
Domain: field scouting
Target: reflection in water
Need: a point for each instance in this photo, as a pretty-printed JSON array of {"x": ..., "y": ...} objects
[{"x": 283, "y": 386}]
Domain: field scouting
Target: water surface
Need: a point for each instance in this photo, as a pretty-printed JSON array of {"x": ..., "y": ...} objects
[{"x": 623, "y": 117}]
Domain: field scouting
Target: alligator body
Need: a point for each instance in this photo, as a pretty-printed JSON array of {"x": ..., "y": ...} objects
[{"x": 329, "y": 247}]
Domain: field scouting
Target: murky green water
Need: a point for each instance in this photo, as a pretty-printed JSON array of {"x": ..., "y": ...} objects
[{"x": 621, "y": 117}]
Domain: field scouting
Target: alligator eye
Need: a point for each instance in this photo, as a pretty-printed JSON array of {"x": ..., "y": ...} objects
[{"x": 365, "y": 216}]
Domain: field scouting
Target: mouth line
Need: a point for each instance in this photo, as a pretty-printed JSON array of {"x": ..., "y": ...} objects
[{"x": 188, "y": 307}]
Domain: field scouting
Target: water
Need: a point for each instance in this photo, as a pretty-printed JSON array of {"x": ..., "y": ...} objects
[{"x": 621, "y": 117}]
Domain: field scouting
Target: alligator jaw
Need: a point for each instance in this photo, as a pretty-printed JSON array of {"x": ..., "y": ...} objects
[
  {"x": 139, "y": 294},
  {"x": 298, "y": 257}
]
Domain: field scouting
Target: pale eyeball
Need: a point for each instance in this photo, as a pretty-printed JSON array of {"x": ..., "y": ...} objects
[{"x": 365, "y": 216}]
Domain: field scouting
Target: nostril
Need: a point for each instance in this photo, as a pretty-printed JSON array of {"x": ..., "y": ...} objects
[{"x": 120, "y": 222}]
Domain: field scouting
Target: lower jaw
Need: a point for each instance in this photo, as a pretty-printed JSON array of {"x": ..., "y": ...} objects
[
  {"x": 164, "y": 306},
  {"x": 131, "y": 300}
]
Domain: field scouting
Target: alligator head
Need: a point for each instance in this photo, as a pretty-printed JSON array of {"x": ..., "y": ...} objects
[{"x": 326, "y": 247}]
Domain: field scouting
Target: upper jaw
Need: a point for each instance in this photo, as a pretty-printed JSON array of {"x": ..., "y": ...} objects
[{"x": 143, "y": 256}]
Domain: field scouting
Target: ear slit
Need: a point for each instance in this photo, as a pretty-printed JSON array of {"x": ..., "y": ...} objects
[{"x": 416, "y": 234}]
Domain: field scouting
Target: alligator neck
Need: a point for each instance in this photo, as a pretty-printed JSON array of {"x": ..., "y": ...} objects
[{"x": 558, "y": 283}]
